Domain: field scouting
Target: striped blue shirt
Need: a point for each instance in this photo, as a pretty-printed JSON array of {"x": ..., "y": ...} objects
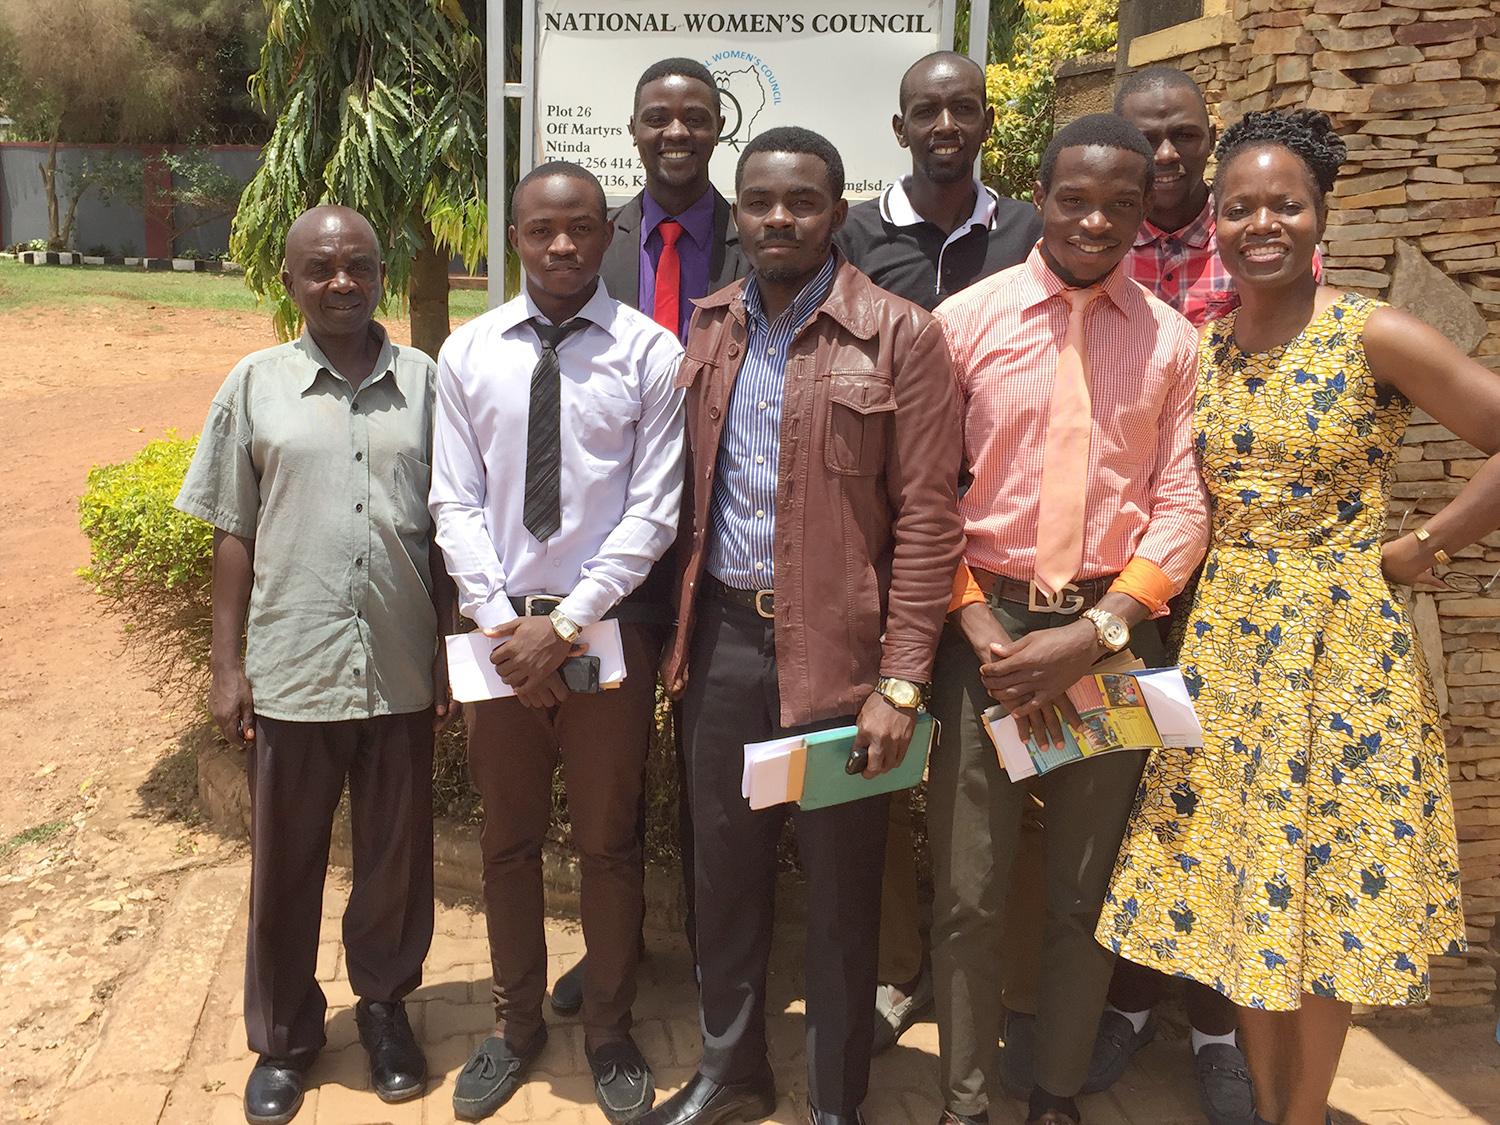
[{"x": 742, "y": 514}]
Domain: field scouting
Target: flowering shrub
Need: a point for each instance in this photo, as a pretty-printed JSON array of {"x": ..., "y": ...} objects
[{"x": 1052, "y": 32}]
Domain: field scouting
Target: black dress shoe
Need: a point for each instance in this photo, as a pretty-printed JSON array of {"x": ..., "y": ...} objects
[
  {"x": 492, "y": 1075},
  {"x": 567, "y": 993},
  {"x": 398, "y": 1069},
  {"x": 273, "y": 1094},
  {"x": 623, "y": 1083},
  {"x": 706, "y": 1102},
  {"x": 816, "y": 1116}
]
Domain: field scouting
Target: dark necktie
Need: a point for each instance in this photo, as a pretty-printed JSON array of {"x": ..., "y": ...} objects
[
  {"x": 542, "y": 511},
  {"x": 668, "y": 278}
]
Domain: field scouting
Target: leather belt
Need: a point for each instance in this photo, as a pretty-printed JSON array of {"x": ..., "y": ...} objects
[
  {"x": 1073, "y": 598},
  {"x": 627, "y": 612},
  {"x": 761, "y": 602}
]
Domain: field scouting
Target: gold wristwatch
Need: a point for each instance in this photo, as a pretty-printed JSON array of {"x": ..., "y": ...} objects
[
  {"x": 564, "y": 626},
  {"x": 1113, "y": 633},
  {"x": 901, "y": 693}
]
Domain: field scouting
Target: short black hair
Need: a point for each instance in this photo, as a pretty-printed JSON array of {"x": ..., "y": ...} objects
[
  {"x": 679, "y": 68},
  {"x": 1304, "y": 132},
  {"x": 1107, "y": 129},
  {"x": 1155, "y": 78},
  {"x": 944, "y": 56},
  {"x": 794, "y": 138},
  {"x": 559, "y": 168}
]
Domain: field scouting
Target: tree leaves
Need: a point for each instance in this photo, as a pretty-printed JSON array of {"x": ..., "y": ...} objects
[{"x": 379, "y": 105}]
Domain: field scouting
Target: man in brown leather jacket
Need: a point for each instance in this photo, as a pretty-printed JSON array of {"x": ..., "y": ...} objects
[{"x": 819, "y": 540}]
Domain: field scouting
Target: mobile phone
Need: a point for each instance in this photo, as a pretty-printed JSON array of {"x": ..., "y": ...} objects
[{"x": 581, "y": 674}]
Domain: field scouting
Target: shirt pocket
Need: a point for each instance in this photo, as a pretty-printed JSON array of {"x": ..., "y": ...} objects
[
  {"x": 1219, "y": 302},
  {"x": 861, "y": 406},
  {"x": 413, "y": 481},
  {"x": 604, "y": 429}
]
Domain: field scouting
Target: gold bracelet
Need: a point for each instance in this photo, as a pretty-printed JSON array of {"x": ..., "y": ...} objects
[{"x": 1442, "y": 556}]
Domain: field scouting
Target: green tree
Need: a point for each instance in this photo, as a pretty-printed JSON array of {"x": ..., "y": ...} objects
[
  {"x": 1051, "y": 32},
  {"x": 1006, "y": 18},
  {"x": 378, "y": 105},
  {"x": 84, "y": 70}
]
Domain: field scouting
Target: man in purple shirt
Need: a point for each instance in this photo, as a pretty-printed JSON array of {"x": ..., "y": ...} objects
[
  {"x": 678, "y": 229},
  {"x": 673, "y": 243}
]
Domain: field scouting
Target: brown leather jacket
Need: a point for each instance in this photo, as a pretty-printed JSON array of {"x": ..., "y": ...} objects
[{"x": 868, "y": 534}]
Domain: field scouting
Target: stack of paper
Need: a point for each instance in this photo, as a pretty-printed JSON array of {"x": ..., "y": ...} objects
[
  {"x": 809, "y": 768},
  {"x": 472, "y": 677},
  {"x": 774, "y": 771}
]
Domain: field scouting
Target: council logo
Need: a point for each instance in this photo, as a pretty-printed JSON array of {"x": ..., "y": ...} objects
[{"x": 747, "y": 85}]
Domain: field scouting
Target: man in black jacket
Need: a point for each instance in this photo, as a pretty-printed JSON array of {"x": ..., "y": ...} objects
[
  {"x": 927, "y": 236},
  {"x": 673, "y": 243}
]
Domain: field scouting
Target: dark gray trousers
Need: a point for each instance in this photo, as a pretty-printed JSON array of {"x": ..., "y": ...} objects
[
  {"x": 731, "y": 699},
  {"x": 974, "y": 817},
  {"x": 297, "y": 773}
]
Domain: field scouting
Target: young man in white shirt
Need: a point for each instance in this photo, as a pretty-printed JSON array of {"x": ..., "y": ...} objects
[{"x": 557, "y": 475}]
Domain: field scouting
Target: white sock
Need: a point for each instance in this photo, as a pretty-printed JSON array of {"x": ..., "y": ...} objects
[
  {"x": 1137, "y": 1019},
  {"x": 1200, "y": 1040}
]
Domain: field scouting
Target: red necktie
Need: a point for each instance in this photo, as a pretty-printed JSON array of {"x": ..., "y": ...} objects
[{"x": 668, "y": 278}]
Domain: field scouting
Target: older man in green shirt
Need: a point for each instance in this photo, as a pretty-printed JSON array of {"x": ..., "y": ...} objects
[{"x": 313, "y": 468}]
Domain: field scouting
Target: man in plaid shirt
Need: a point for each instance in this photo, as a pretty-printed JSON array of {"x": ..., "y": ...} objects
[{"x": 1176, "y": 255}]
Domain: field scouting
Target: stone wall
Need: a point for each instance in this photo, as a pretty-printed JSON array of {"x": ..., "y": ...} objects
[{"x": 1414, "y": 88}]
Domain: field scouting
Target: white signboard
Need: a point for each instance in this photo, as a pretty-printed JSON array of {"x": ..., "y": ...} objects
[{"x": 831, "y": 67}]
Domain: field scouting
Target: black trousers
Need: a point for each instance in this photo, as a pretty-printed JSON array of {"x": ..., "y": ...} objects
[
  {"x": 732, "y": 699},
  {"x": 297, "y": 773}
]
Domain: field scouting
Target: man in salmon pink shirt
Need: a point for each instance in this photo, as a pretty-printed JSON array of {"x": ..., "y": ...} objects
[{"x": 1085, "y": 516}]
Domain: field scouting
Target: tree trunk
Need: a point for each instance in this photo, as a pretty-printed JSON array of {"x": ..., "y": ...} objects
[
  {"x": 429, "y": 297},
  {"x": 49, "y": 179}
]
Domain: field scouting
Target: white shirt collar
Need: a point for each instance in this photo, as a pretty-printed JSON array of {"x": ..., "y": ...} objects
[
  {"x": 599, "y": 310},
  {"x": 895, "y": 207}
]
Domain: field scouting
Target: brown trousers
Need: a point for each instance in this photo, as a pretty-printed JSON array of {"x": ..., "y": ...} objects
[
  {"x": 297, "y": 773},
  {"x": 602, "y": 741}
]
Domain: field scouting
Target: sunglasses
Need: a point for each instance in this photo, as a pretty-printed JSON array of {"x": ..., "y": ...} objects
[{"x": 1458, "y": 581}]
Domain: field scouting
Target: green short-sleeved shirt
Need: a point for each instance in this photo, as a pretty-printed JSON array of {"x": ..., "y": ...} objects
[{"x": 331, "y": 483}]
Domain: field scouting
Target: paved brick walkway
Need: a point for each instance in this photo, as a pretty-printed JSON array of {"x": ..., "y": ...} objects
[{"x": 1380, "y": 1084}]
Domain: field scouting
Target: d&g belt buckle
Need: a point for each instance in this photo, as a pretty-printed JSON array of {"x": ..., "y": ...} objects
[
  {"x": 540, "y": 605},
  {"x": 1067, "y": 600},
  {"x": 765, "y": 604}
]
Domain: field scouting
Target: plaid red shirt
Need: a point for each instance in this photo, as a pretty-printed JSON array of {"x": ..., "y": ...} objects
[{"x": 1183, "y": 268}]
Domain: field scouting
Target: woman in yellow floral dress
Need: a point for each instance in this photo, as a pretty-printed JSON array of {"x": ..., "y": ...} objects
[{"x": 1304, "y": 860}]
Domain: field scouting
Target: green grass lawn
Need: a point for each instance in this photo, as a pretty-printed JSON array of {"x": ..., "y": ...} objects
[{"x": 87, "y": 286}]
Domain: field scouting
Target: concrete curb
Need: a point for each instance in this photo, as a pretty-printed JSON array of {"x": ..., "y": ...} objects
[
  {"x": 225, "y": 797},
  {"x": 179, "y": 265}
]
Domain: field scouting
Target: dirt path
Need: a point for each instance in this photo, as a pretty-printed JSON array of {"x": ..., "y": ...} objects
[{"x": 93, "y": 778}]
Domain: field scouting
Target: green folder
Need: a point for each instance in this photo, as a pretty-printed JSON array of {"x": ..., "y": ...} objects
[{"x": 826, "y": 783}]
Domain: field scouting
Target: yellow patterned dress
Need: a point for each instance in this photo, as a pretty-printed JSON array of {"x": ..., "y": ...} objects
[{"x": 1309, "y": 846}]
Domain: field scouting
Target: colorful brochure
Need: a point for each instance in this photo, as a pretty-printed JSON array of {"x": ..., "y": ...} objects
[
  {"x": 1126, "y": 709},
  {"x": 809, "y": 768}
]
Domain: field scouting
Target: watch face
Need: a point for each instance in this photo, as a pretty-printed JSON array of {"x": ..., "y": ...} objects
[
  {"x": 1116, "y": 635},
  {"x": 901, "y": 694}
]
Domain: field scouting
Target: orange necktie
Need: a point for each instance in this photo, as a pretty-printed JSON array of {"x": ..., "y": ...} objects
[{"x": 1065, "y": 461}]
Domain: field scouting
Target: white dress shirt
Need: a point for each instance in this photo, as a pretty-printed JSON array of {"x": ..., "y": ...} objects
[{"x": 622, "y": 459}]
